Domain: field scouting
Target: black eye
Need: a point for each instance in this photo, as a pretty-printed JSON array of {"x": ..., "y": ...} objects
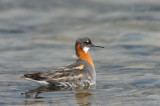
[{"x": 87, "y": 42}]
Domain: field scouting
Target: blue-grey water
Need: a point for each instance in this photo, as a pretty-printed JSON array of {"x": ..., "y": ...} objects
[{"x": 36, "y": 35}]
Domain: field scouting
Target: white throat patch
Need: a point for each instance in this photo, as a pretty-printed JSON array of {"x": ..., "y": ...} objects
[{"x": 85, "y": 49}]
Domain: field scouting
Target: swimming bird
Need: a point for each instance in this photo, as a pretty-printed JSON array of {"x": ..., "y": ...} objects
[{"x": 80, "y": 73}]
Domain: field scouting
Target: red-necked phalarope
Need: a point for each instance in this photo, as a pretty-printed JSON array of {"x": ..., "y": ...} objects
[{"x": 80, "y": 73}]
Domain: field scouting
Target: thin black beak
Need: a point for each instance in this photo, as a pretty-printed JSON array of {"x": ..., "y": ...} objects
[{"x": 96, "y": 46}]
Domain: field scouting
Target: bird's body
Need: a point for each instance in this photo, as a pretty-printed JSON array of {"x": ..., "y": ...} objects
[{"x": 80, "y": 73}]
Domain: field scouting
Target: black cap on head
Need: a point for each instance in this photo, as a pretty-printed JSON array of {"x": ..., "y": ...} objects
[{"x": 85, "y": 42}]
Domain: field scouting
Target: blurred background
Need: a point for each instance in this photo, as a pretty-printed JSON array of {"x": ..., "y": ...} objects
[{"x": 36, "y": 35}]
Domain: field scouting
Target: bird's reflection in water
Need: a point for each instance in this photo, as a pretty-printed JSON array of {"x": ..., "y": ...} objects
[{"x": 82, "y": 95}]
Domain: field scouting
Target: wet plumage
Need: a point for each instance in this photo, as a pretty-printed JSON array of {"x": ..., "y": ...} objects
[{"x": 80, "y": 73}]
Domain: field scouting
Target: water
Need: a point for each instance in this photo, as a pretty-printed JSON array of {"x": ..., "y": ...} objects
[{"x": 36, "y": 35}]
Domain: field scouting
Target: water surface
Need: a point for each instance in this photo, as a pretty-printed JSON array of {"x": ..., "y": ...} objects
[{"x": 36, "y": 35}]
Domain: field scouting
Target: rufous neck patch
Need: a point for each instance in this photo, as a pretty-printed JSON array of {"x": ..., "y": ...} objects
[{"x": 82, "y": 55}]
